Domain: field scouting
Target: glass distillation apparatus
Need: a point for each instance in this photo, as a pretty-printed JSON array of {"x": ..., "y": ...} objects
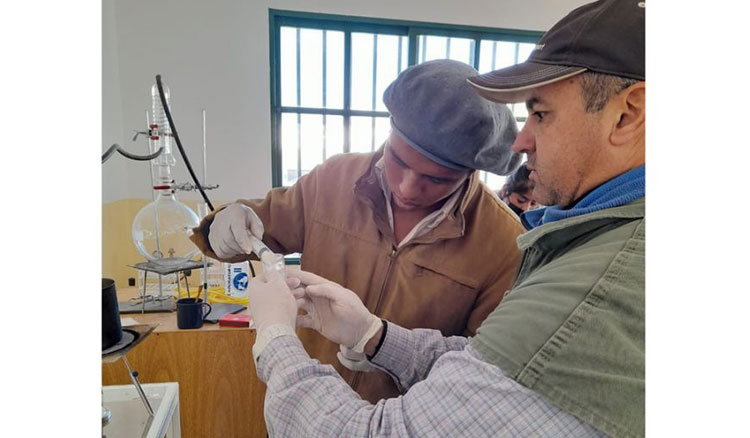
[{"x": 161, "y": 229}]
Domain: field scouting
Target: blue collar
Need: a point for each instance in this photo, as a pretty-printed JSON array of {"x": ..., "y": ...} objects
[{"x": 618, "y": 191}]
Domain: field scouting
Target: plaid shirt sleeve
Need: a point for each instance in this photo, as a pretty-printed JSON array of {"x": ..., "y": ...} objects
[
  {"x": 462, "y": 396},
  {"x": 408, "y": 355}
]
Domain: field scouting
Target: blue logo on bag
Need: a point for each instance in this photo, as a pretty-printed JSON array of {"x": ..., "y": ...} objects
[{"x": 240, "y": 281}]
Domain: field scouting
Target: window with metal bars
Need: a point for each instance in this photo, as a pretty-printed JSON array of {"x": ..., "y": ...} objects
[{"x": 328, "y": 75}]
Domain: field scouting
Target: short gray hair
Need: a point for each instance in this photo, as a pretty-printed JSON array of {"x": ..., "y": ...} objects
[{"x": 598, "y": 88}]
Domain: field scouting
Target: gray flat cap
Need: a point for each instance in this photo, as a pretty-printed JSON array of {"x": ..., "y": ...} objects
[{"x": 437, "y": 112}]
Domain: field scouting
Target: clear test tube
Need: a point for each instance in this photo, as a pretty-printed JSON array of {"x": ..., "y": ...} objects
[{"x": 273, "y": 266}]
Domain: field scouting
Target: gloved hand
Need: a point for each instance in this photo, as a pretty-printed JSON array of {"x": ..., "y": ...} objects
[
  {"x": 270, "y": 302},
  {"x": 273, "y": 308},
  {"x": 235, "y": 230},
  {"x": 354, "y": 361},
  {"x": 334, "y": 311}
]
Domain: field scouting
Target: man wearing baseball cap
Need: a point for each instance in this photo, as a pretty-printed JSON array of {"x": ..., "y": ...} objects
[{"x": 563, "y": 354}]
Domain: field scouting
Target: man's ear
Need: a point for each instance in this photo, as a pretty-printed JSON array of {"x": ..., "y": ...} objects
[{"x": 629, "y": 108}]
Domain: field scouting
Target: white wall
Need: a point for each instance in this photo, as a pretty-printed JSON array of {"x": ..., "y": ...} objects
[{"x": 213, "y": 55}]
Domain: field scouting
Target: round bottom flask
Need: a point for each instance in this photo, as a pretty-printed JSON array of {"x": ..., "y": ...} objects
[{"x": 161, "y": 230}]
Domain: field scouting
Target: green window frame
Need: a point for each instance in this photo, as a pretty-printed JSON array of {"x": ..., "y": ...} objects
[{"x": 415, "y": 35}]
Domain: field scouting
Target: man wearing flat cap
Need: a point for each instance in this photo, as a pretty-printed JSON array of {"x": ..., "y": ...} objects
[
  {"x": 409, "y": 227},
  {"x": 563, "y": 353}
]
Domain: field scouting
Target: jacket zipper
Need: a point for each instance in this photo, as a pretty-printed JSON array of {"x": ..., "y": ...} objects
[{"x": 391, "y": 258}]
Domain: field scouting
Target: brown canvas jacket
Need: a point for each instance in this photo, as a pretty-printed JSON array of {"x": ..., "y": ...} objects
[{"x": 449, "y": 279}]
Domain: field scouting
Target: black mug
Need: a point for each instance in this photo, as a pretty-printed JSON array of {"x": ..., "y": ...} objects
[
  {"x": 111, "y": 327},
  {"x": 190, "y": 313}
]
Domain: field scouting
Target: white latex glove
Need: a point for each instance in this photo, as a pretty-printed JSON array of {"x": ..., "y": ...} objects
[
  {"x": 354, "y": 361},
  {"x": 273, "y": 308},
  {"x": 270, "y": 302},
  {"x": 235, "y": 230},
  {"x": 334, "y": 311}
]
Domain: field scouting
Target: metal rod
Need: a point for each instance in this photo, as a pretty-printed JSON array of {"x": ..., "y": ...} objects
[
  {"x": 400, "y": 49},
  {"x": 424, "y": 46},
  {"x": 143, "y": 305},
  {"x": 134, "y": 378},
  {"x": 205, "y": 209},
  {"x": 374, "y": 87},
  {"x": 332, "y": 111},
  {"x": 325, "y": 90},
  {"x": 203, "y": 116},
  {"x": 325, "y": 67},
  {"x": 475, "y": 48},
  {"x": 347, "y": 90},
  {"x": 299, "y": 102},
  {"x": 515, "y": 61},
  {"x": 494, "y": 55},
  {"x": 373, "y": 94}
]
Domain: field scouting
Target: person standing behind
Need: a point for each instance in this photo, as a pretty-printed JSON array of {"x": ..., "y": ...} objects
[
  {"x": 409, "y": 227},
  {"x": 517, "y": 191}
]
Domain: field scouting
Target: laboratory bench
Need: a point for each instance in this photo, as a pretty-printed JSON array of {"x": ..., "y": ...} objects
[{"x": 220, "y": 394}]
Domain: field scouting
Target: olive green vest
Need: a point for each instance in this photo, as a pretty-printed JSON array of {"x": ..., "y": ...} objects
[{"x": 572, "y": 328}]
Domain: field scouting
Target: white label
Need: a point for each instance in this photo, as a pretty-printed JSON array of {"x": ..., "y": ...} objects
[{"x": 236, "y": 278}]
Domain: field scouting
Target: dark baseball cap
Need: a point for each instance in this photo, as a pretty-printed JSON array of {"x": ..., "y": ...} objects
[{"x": 607, "y": 36}]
